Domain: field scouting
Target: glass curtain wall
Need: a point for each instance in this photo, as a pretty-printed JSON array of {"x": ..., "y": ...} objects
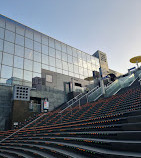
[{"x": 24, "y": 52}]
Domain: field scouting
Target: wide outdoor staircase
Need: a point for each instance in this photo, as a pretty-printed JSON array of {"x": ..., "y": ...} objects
[{"x": 107, "y": 128}]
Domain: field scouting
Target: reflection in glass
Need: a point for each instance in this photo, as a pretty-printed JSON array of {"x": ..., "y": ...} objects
[
  {"x": 70, "y": 59},
  {"x": 18, "y": 73},
  {"x": 36, "y": 74},
  {"x": 58, "y": 64},
  {"x": 69, "y": 50},
  {"x": 51, "y": 52},
  {"x": 8, "y": 47},
  {"x": 28, "y": 54},
  {"x": 46, "y": 67},
  {"x": 59, "y": 71},
  {"x": 20, "y": 30},
  {"x": 28, "y": 43},
  {"x": 37, "y": 67},
  {"x": 19, "y": 51},
  {"x": 1, "y": 33},
  {"x": 37, "y": 56},
  {"x": 1, "y": 45},
  {"x": 65, "y": 72},
  {"x": 27, "y": 75},
  {"x": 7, "y": 59},
  {"x": 37, "y": 37},
  {"x": 9, "y": 36},
  {"x": 18, "y": 62},
  {"x": 0, "y": 57},
  {"x": 52, "y": 68},
  {"x": 57, "y": 45},
  {"x": 70, "y": 67},
  {"x": 64, "y": 56},
  {"x": 28, "y": 64},
  {"x": 29, "y": 33},
  {"x": 45, "y": 40},
  {"x": 19, "y": 40},
  {"x": 6, "y": 72},
  {"x": 45, "y": 49},
  {"x": 52, "y": 61},
  {"x": 76, "y": 69},
  {"x": 64, "y": 48},
  {"x": 45, "y": 59},
  {"x": 2, "y": 23},
  {"x": 51, "y": 42},
  {"x": 58, "y": 54},
  {"x": 37, "y": 46},
  {"x": 65, "y": 66},
  {"x": 10, "y": 26}
]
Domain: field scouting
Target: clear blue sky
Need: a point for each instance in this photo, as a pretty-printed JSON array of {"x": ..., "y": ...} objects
[{"x": 112, "y": 26}]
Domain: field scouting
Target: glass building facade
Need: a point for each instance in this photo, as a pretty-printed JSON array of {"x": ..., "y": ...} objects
[{"x": 24, "y": 52}]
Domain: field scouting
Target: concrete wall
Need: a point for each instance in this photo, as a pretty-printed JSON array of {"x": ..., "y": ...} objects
[
  {"x": 59, "y": 79},
  {"x": 55, "y": 97},
  {"x": 5, "y": 107}
]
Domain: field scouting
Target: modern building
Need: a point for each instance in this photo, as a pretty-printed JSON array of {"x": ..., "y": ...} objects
[{"x": 51, "y": 67}]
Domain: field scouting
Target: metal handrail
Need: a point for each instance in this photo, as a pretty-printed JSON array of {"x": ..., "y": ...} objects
[{"x": 80, "y": 98}]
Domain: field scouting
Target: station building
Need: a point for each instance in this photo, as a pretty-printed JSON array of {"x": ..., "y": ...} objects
[{"x": 52, "y": 69}]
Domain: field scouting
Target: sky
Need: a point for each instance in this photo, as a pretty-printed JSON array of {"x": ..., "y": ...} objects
[{"x": 112, "y": 26}]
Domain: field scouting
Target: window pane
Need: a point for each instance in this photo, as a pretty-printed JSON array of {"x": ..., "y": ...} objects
[
  {"x": 27, "y": 75},
  {"x": 65, "y": 72},
  {"x": 10, "y": 26},
  {"x": 28, "y": 43},
  {"x": 75, "y": 52},
  {"x": 1, "y": 45},
  {"x": 71, "y": 74},
  {"x": 64, "y": 56},
  {"x": 57, "y": 45},
  {"x": 46, "y": 67},
  {"x": 37, "y": 46},
  {"x": 45, "y": 49},
  {"x": 45, "y": 59},
  {"x": 37, "y": 37},
  {"x": 29, "y": 33},
  {"x": 8, "y": 47},
  {"x": 85, "y": 72},
  {"x": 37, "y": 56},
  {"x": 52, "y": 52},
  {"x": 64, "y": 48},
  {"x": 52, "y": 69},
  {"x": 19, "y": 40},
  {"x": 20, "y": 30},
  {"x": 69, "y": 50},
  {"x": 19, "y": 51},
  {"x": 52, "y": 61},
  {"x": 0, "y": 57},
  {"x": 36, "y": 74},
  {"x": 81, "y": 70},
  {"x": 18, "y": 62},
  {"x": 45, "y": 39},
  {"x": 51, "y": 42},
  {"x": 9, "y": 36},
  {"x": 2, "y": 33},
  {"x": 6, "y": 72},
  {"x": 58, "y": 54},
  {"x": 37, "y": 67},
  {"x": 28, "y": 54},
  {"x": 28, "y": 64},
  {"x": 65, "y": 65},
  {"x": 59, "y": 71},
  {"x": 75, "y": 61},
  {"x": 2, "y": 22},
  {"x": 80, "y": 63},
  {"x": 58, "y": 63},
  {"x": 18, "y": 73},
  {"x": 70, "y": 59},
  {"x": 76, "y": 69},
  {"x": 70, "y": 67},
  {"x": 79, "y": 54},
  {"x": 7, "y": 59},
  {"x": 84, "y": 64}
]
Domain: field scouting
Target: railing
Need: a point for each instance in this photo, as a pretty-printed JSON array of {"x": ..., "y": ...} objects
[{"x": 76, "y": 99}]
